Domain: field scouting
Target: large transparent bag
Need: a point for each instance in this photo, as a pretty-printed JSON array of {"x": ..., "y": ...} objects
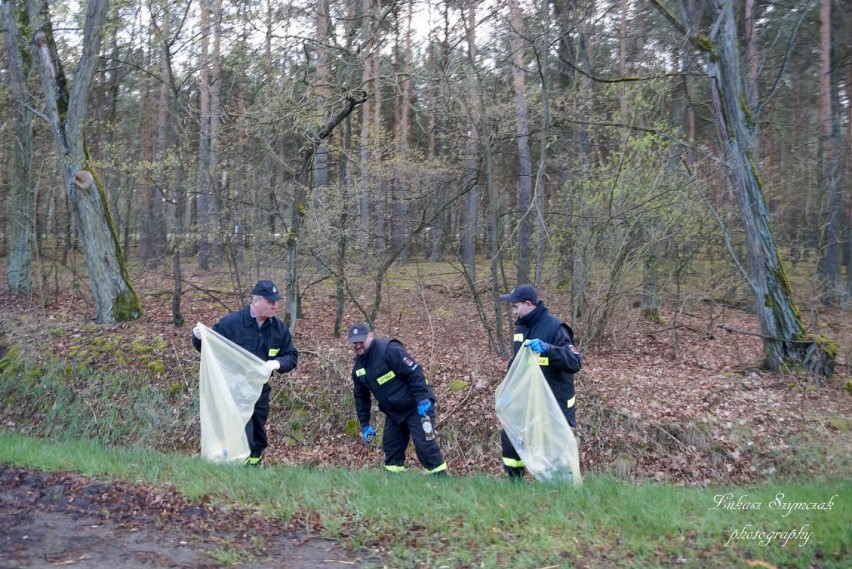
[
  {"x": 534, "y": 423},
  {"x": 230, "y": 382}
]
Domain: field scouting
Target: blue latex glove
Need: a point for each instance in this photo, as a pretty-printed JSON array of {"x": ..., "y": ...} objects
[
  {"x": 423, "y": 406},
  {"x": 367, "y": 433},
  {"x": 537, "y": 345}
]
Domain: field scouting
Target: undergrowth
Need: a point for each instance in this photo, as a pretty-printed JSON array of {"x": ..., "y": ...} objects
[{"x": 50, "y": 399}]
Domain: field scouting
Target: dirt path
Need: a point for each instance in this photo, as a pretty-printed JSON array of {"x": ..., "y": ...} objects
[{"x": 50, "y": 520}]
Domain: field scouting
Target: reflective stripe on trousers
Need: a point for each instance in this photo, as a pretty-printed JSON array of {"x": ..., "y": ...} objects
[{"x": 512, "y": 463}]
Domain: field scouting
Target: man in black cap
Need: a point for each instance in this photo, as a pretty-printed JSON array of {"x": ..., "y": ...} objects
[
  {"x": 558, "y": 358},
  {"x": 257, "y": 329},
  {"x": 384, "y": 369}
]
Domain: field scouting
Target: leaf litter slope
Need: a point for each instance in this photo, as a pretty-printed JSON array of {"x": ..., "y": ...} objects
[
  {"x": 678, "y": 403},
  {"x": 697, "y": 414}
]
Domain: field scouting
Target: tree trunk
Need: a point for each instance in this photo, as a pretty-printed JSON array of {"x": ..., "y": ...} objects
[
  {"x": 345, "y": 176},
  {"x": 579, "y": 234},
  {"x": 215, "y": 227},
  {"x": 380, "y": 240},
  {"x": 752, "y": 62},
  {"x": 401, "y": 180},
  {"x": 145, "y": 191},
  {"x": 266, "y": 198},
  {"x": 237, "y": 198},
  {"x": 846, "y": 304},
  {"x": 368, "y": 83},
  {"x": 114, "y": 296},
  {"x": 470, "y": 211},
  {"x": 160, "y": 239},
  {"x": 169, "y": 143},
  {"x": 435, "y": 146},
  {"x": 320, "y": 91},
  {"x": 21, "y": 210},
  {"x": 781, "y": 325},
  {"x": 650, "y": 281},
  {"x": 522, "y": 130},
  {"x": 440, "y": 63},
  {"x": 495, "y": 264},
  {"x": 540, "y": 192},
  {"x": 689, "y": 113},
  {"x": 112, "y": 177},
  {"x": 832, "y": 288},
  {"x": 364, "y": 166},
  {"x": 203, "y": 222}
]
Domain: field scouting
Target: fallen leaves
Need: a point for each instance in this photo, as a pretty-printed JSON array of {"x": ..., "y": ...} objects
[{"x": 698, "y": 413}]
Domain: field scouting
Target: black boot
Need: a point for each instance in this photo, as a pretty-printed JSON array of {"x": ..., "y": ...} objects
[{"x": 514, "y": 472}]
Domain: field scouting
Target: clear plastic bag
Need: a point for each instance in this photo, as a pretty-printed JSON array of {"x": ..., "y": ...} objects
[
  {"x": 230, "y": 381},
  {"x": 534, "y": 423}
]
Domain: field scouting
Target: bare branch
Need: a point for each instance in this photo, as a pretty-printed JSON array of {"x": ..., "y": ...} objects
[
  {"x": 790, "y": 45},
  {"x": 699, "y": 41},
  {"x": 92, "y": 33}
]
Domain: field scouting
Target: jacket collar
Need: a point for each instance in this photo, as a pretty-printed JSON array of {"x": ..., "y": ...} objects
[
  {"x": 533, "y": 316},
  {"x": 251, "y": 321}
]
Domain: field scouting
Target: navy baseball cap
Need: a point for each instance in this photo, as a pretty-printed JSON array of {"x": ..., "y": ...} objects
[
  {"x": 358, "y": 332},
  {"x": 267, "y": 290},
  {"x": 521, "y": 293}
]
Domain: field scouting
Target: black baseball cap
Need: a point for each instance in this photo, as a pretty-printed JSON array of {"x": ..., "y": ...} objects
[
  {"x": 521, "y": 293},
  {"x": 267, "y": 290},
  {"x": 358, "y": 332}
]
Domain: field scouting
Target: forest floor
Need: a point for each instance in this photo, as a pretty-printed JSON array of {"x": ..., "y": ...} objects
[
  {"x": 681, "y": 402},
  {"x": 66, "y": 520}
]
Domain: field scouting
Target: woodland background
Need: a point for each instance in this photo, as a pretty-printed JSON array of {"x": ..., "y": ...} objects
[{"x": 660, "y": 169}]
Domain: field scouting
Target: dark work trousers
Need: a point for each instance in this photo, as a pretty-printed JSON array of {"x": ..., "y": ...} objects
[
  {"x": 255, "y": 432},
  {"x": 512, "y": 463},
  {"x": 395, "y": 441}
]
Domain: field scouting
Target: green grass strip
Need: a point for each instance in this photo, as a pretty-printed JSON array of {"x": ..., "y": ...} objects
[{"x": 484, "y": 521}]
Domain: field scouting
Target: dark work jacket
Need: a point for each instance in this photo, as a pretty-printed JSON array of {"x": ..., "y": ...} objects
[
  {"x": 271, "y": 341},
  {"x": 562, "y": 359},
  {"x": 392, "y": 376}
]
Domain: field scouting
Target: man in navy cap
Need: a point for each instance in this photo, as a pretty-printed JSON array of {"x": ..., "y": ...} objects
[
  {"x": 559, "y": 359},
  {"x": 384, "y": 370},
  {"x": 257, "y": 329}
]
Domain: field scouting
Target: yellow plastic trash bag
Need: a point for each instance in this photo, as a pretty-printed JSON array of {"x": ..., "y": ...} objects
[
  {"x": 230, "y": 381},
  {"x": 534, "y": 423}
]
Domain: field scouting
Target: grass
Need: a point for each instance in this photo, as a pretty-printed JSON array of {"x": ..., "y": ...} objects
[{"x": 484, "y": 521}]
